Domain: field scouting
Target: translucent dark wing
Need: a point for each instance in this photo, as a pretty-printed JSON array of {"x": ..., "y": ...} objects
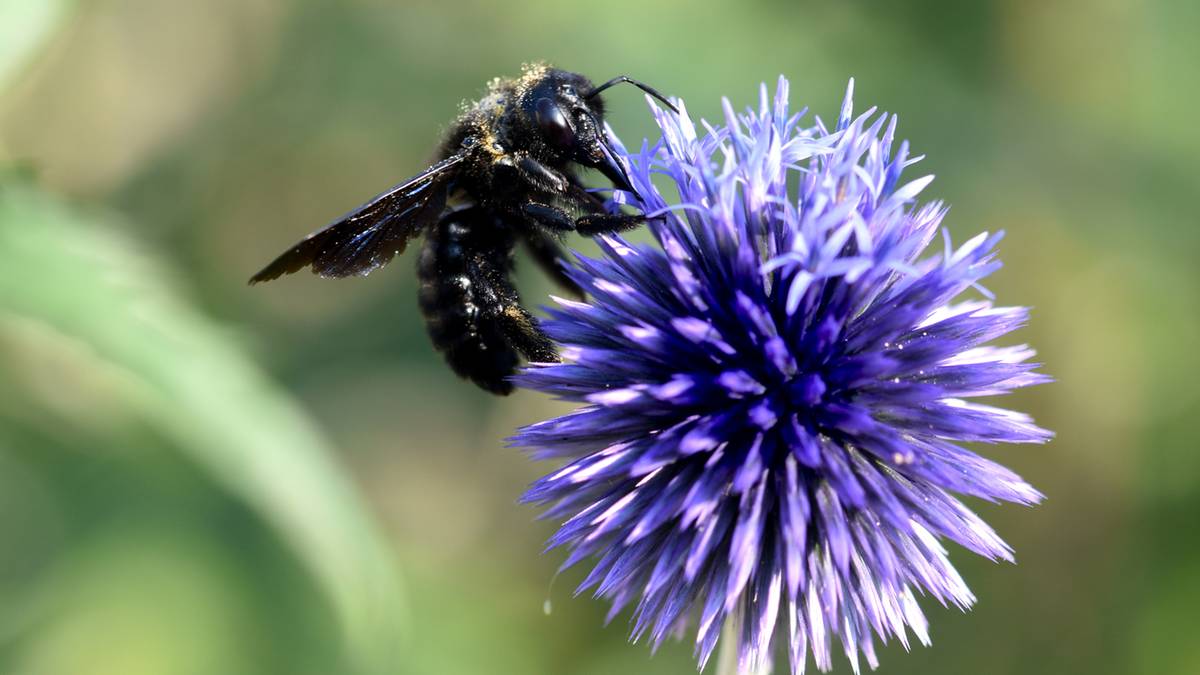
[{"x": 371, "y": 235}]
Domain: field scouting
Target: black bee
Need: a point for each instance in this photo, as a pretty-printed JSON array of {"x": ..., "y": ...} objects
[{"x": 507, "y": 168}]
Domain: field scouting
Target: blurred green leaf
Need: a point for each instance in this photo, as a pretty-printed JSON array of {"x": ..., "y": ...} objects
[
  {"x": 138, "y": 349},
  {"x": 24, "y": 26},
  {"x": 109, "y": 627}
]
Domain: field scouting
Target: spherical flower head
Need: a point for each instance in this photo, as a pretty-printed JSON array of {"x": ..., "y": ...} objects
[{"x": 775, "y": 395}]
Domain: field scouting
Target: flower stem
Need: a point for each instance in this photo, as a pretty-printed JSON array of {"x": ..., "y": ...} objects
[
  {"x": 727, "y": 656},
  {"x": 727, "y": 650}
]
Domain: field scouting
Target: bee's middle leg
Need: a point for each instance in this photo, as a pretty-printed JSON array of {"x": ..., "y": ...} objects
[
  {"x": 548, "y": 216},
  {"x": 588, "y": 225},
  {"x": 551, "y": 257},
  {"x": 608, "y": 223}
]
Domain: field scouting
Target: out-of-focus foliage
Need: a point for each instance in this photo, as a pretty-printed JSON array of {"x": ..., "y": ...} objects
[
  {"x": 165, "y": 506},
  {"x": 99, "y": 353},
  {"x": 24, "y": 26},
  {"x": 104, "y": 369}
]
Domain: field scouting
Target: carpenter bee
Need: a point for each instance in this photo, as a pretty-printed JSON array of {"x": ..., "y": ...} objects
[{"x": 506, "y": 172}]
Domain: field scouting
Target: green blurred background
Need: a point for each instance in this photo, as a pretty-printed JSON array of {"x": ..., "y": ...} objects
[{"x": 201, "y": 477}]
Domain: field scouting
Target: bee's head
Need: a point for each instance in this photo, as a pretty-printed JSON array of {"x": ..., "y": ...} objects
[{"x": 567, "y": 113}]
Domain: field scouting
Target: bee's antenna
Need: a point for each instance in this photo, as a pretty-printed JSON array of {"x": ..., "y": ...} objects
[{"x": 644, "y": 87}]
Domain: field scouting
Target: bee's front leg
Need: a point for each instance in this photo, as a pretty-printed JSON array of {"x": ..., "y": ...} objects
[
  {"x": 543, "y": 179},
  {"x": 578, "y": 192}
]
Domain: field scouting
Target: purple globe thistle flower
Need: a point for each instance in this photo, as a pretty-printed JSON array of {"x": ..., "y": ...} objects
[{"x": 775, "y": 395}]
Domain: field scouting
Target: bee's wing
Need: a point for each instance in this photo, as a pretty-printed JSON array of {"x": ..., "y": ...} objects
[{"x": 371, "y": 235}]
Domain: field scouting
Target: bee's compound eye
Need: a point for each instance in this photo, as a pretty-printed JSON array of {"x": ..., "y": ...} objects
[{"x": 554, "y": 124}]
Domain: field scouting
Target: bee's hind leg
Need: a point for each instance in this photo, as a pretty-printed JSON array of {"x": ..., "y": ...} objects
[
  {"x": 501, "y": 305},
  {"x": 472, "y": 311},
  {"x": 521, "y": 329}
]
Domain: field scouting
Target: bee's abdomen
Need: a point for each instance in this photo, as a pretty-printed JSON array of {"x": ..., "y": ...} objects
[{"x": 458, "y": 304}]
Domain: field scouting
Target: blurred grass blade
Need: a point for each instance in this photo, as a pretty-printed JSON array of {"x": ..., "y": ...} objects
[
  {"x": 24, "y": 26},
  {"x": 78, "y": 278}
]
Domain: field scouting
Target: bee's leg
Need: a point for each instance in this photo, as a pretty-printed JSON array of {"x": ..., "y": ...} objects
[
  {"x": 599, "y": 219},
  {"x": 455, "y": 303},
  {"x": 608, "y": 223},
  {"x": 551, "y": 258},
  {"x": 590, "y": 201},
  {"x": 549, "y": 216},
  {"x": 502, "y": 305},
  {"x": 589, "y": 225},
  {"x": 522, "y": 168},
  {"x": 472, "y": 311},
  {"x": 522, "y": 331},
  {"x": 539, "y": 175}
]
